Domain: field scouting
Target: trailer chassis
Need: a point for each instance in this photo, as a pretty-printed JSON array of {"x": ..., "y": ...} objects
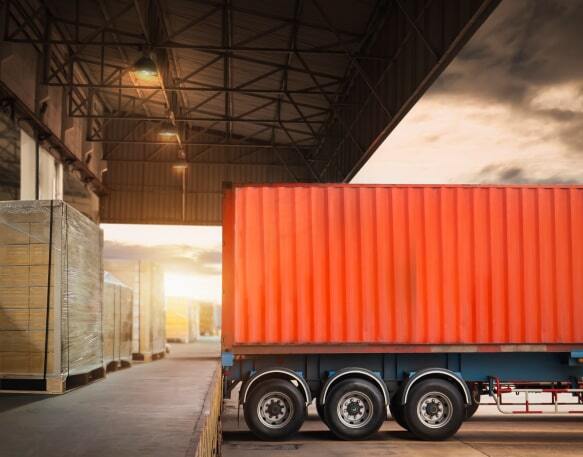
[{"x": 429, "y": 394}]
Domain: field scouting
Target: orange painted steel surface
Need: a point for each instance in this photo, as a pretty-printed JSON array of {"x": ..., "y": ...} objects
[{"x": 404, "y": 265}]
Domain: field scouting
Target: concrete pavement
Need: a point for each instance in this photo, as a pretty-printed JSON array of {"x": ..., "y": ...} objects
[
  {"x": 149, "y": 410},
  {"x": 487, "y": 434}
]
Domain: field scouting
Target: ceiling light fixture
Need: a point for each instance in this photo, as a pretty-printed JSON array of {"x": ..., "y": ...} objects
[
  {"x": 168, "y": 130},
  {"x": 179, "y": 166},
  {"x": 182, "y": 164},
  {"x": 145, "y": 68}
]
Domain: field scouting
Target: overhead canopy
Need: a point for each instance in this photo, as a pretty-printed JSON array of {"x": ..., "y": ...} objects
[{"x": 258, "y": 91}]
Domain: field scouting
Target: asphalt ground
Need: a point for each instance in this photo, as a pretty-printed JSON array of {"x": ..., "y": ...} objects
[{"x": 488, "y": 433}]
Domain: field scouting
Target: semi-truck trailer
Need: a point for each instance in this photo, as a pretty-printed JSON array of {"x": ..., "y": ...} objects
[{"x": 416, "y": 299}]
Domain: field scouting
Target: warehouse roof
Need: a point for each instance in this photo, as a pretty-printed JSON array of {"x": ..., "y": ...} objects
[{"x": 284, "y": 90}]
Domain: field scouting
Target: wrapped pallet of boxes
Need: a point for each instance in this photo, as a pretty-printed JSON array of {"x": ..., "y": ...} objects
[
  {"x": 50, "y": 297},
  {"x": 146, "y": 279},
  {"x": 117, "y": 323},
  {"x": 181, "y": 320},
  {"x": 209, "y": 319}
]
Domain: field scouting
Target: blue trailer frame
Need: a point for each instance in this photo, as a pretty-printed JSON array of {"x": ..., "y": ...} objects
[
  {"x": 315, "y": 369},
  {"x": 394, "y": 373}
]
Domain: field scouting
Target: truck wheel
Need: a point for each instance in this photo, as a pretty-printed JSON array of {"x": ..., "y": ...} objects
[
  {"x": 473, "y": 407},
  {"x": 321, "y": 411},
  {"x": 355, "y": 409},
  {"x": 435, "y": 410},
  {"x": 398, "y": 411},
  {"x": 275, "y": 410}
]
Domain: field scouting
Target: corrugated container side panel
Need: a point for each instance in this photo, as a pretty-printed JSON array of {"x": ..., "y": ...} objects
[
  {"x": 405, "y": 265},
  {"x": 576, "y": 205}
]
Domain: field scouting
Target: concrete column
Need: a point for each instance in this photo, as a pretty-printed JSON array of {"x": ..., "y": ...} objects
[
  {"x": 50, "y": 177},
  {"x": 27, "y": 166},
  {"x": 50, "y": 172}
]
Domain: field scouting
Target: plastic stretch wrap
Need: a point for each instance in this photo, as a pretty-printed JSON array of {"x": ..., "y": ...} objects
[
  {"x": 117, "y": 320},
  {"x": 146, "y": 279},
  {"x": 50, "y": 290}
]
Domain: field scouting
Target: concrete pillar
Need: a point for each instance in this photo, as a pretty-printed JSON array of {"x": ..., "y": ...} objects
[
  {"x": 50, "y": 177},
  {"x": 50, "y": 172},
  {"x": 27, "y": 167}
]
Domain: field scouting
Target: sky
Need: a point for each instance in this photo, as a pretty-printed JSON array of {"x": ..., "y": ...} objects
[
  {"x": 508, "y": 109},
  {"x": 191, "y": 256}
]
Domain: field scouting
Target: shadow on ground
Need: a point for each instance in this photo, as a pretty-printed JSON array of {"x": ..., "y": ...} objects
[{"x": 13, "y": 401}]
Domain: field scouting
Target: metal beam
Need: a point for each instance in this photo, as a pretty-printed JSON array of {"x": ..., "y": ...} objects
[
  {"x": 215, "y": 162},
  {"x": 274, "y": 17},
  {"x": 353, "y": 60},
  {"x": 192, "y": 89},
  {"x": 25, "y": 114},
  {"x": 192, "y": 47},
  {"x": 208, "y": 143},
  {"x": 242, "y": 140},
  {"x": 110, "y": 20},
  {"x": 153, "y": 31},
  {"x": 301, "y": 154},
  {"x": 193, "y": 119},
  {"x": 227, "y": 33}
]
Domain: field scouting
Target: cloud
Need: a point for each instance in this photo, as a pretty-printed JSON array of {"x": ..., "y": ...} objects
[
  {"x": 503, "y": 173},
  {"x": 529, "y": 57},
  {"x": 179, "y": 258}
]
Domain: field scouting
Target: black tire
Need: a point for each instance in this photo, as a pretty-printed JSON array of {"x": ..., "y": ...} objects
[
  {"x": 276, "y": 397},
  {"x": 321, "y": 411},
  {"x": 362, "y": 397},
  {"x": 397, "y": 410},
  {"x": 447, "y": 410},
  {"x": 472, "y": 408}
]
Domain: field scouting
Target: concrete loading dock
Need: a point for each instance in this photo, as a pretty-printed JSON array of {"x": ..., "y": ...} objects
[{"x": 162, "y": 408}]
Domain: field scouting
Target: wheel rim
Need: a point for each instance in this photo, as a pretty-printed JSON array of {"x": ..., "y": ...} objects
[
  {"x": 434, "y": 410},
  {"x": 355, "y": 409},
  {"x": 275, "y": 410}
]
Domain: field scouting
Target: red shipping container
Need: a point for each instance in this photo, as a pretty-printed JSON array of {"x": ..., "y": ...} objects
[{"x": 336, "y": 268}]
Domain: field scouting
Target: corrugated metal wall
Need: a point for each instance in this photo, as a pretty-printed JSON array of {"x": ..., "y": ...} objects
[
  {"x": 404, "y": 265},
  {"x": 152, "y": 194},
  {"x": 145, "y": 187}
]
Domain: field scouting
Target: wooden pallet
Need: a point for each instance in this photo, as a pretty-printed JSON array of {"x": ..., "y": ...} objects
[
  {"x": 117, "y": 365},
  {"x": 138, "y": 357},
  {"x": 177, "y": 340},
  {"x": 50, "y": 386}
]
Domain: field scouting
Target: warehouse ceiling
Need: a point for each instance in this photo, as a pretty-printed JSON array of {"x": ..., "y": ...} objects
[{"x": 246, "y": 90}]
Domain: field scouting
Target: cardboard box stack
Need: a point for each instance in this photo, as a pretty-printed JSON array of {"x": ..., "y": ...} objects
[
  {"x": 50, "y": 295},
  {"x": 181, "y": 320},
  {"x": 146, "y": 279},
  {"x": 209, "y": 319}
]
